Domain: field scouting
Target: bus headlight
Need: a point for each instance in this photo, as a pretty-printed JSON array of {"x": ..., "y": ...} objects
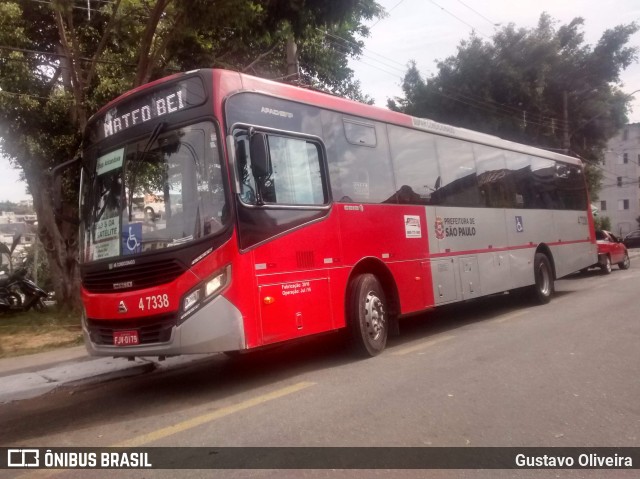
[
  {"x": 190, "y": 300},
  {"x": 215, "y": 284}
]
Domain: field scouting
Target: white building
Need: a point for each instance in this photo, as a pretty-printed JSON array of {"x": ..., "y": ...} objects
[
  {"x": 620, "y": 192},
  {"x": 12, "y": 225}
]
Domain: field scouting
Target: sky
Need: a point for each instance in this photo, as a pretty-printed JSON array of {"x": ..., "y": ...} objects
[
  {"x": 430, "y": 30},
  {"x": 11, "y": 188}
]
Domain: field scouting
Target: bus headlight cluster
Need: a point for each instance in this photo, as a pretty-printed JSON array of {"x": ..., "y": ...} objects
[{"x": 206, "y": 291}]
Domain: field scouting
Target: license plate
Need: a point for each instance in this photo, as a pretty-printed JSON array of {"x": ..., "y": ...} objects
[{"x": 125, "y": 338}]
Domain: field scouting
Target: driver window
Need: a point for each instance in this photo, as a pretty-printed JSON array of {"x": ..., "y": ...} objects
[
  {"x": 247, "y": 182},
  {"x": 296, "y": 172}
]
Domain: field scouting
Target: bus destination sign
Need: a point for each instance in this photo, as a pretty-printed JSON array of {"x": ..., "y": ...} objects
[
  {"x": 176, "y": 97},
  {"x": 159, "y": 106}
]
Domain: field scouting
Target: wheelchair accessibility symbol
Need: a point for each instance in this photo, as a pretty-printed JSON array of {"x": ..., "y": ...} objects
[
  {"x": 132, "y": 241},
  {"x": 519, "y": 226}
]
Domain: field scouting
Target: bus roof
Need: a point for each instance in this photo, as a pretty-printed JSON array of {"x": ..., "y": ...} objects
[
  {"x": 227, "y": 82},
  {"x": 351, "y": 107}
]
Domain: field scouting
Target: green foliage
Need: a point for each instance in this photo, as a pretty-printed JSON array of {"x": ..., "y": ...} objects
[
  {"x": 602, "y": 223},
  {"x": 514, "y": 86},
  {"x": 60, "y": 65}
]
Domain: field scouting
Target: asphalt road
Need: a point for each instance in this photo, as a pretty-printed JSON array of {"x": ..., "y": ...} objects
[{"x": 494, "y": 372}]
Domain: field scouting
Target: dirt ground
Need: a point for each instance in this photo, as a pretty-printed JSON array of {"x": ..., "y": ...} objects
[{"x": 24, "y": 343}]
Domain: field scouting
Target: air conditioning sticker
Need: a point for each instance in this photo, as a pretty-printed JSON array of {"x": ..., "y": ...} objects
[{"x": 412, "y": 226}]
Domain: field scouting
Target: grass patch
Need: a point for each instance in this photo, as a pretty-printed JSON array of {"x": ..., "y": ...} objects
[{"x": 33, "y": 332}]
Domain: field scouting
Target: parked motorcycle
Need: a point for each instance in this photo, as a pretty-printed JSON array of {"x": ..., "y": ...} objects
[{"x": 19, "y": 293}]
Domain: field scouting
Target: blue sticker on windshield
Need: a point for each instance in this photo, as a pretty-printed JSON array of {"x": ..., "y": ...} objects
[{"x": 132, "y": 238}]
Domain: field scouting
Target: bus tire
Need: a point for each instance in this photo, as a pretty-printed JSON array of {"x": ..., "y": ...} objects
[
  {"x": 367, "y": 315},
  {"x": 543, "y": 274}
]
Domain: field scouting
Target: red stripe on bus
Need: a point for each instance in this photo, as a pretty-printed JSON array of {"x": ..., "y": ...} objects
[{"x": 497, "y": 250}]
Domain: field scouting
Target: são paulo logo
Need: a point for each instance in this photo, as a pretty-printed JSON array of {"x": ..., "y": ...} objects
[
  {"x": 439, "y": 228},
  {"x": 449, "y": 227}
]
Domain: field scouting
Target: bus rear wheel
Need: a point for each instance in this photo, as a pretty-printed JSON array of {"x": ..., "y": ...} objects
[
  {"x": 543, "y": 274},
  {"x": 367, "y": 315}
]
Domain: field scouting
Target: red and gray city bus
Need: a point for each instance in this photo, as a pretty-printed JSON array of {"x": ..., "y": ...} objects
[{"x": 282, "y": 212}]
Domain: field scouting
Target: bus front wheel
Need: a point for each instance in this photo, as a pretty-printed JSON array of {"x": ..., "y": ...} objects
[
  {"x": 543, "y": 287},
  {"x": 368, "y": 316}
]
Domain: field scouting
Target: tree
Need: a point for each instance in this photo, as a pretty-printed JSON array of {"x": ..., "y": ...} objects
[
  {"x": 38, "y": 267},
  {"x": 541, "y": 86},
  {"x": 61, "y": 60},
  {"x": 602, "y": 223}
]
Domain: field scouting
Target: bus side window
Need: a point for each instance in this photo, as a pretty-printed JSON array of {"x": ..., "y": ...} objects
[
  {"x": 494, "y": 179},
  {"x": 519, "y": 167},
  {"x": 543, "y": 173},
  {"x": 458, "y": 173},
  {"x": 571, "y": 187},
  {"x": 361, "y": 164},
  {"x": 415, "y": 166}
]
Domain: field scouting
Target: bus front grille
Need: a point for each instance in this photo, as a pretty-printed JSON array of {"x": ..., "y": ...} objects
[
  {"x": 137, "y": 276},
  {"x": 156, "y": 329}
]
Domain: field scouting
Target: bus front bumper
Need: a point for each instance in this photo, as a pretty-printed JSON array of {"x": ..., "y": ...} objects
[{"x": 216, "y": 327}]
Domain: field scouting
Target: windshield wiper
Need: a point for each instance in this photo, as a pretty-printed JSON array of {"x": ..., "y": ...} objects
[
  {"x": 147, "y": 147},
  {"x": 152, "y": 138}
]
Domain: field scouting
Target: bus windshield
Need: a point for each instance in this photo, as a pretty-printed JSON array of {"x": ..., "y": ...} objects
[{"x": 160, "y": 191}]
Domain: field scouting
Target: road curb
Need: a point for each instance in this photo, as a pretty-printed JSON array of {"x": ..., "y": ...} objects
[{"x": 32, "y": 384}]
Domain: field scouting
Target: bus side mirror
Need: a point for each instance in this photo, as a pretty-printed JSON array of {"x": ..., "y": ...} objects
[
  {"x": 56, "y": 174},
  {"x": 259, "y": 156}
]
